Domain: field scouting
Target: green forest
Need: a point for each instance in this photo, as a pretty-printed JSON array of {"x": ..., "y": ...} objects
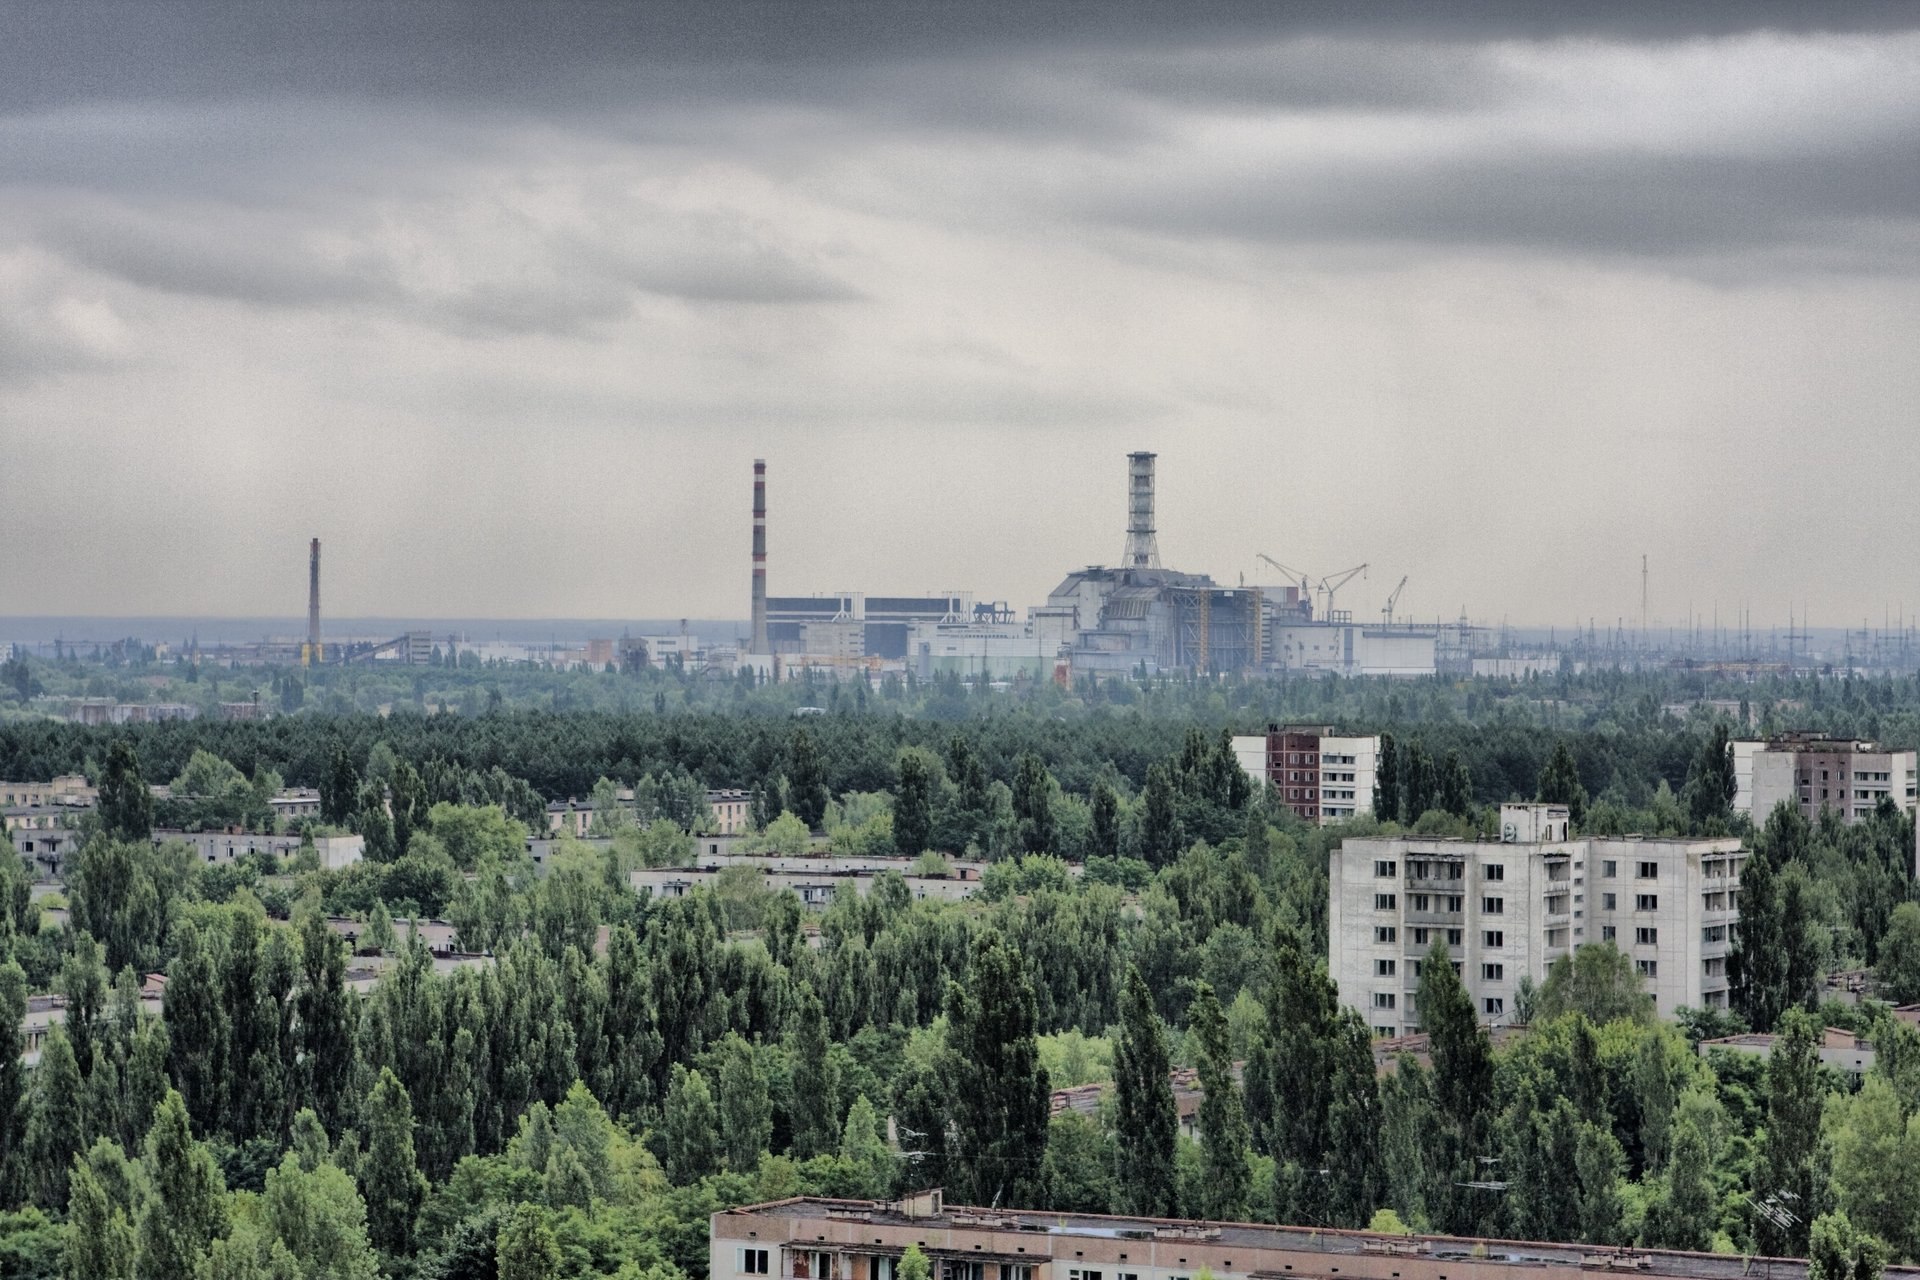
[{"x": 625, "y": 1066}]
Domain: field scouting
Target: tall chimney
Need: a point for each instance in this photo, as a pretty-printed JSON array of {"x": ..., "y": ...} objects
[
  {"x": 1142, "y": 551},
  {"x": 313, "y": 602},
  {"x": 759, "y": 644}
]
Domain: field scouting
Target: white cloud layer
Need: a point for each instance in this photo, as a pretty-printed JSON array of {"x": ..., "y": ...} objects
[{"x": 1494, "y": 306}]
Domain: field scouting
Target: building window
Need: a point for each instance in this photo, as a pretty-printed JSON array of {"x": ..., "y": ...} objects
[
  {"x": 1493, "y": 972},
  {"x": 1385, "y": 1033},
  {"x": 1606, "y": 933},
  {"x": 1384, "y": 870},
  {"x": 1494, "y": 871},
  {"x": 1493, "y": 938},
  {"x": 1647, "y": 968},
  {"x": 1385, "y": 933},
  {"x": 1646, "y": 902},
  {"x": 1456, "y": 937},
  {"x": 1493, "y": 906},
  {"x": 1714, "y": 933},
  {"x": 1384, "y": 902},
  {"x": 753, "y": 1262},
  {"x": 1646, "y": 937},
  {"x": 1419, "y": 902},
  {"x": 1494, "y": 1006},
  {"x": 1609, "y": 901},
  {"x": 1647, "y": 870},
  {"x": 1456, "y": 902},
  {"x": 1383, "y": 968},
  {"x": 1383, "y": 999},
  {"x": 1609, "y": 869},
  {"x": 1422, "y": 935}
]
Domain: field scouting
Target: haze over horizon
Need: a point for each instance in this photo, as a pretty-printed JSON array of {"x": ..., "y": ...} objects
[{"x": 501, "y": 304}]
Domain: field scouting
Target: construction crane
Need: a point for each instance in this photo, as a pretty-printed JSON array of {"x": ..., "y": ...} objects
[
  {"x": 1386, "y": 614},
  {"x": 1291, "y": 573},
  {"x": 1332, "y": 584},
  {"x": 1326, "y": 588}
]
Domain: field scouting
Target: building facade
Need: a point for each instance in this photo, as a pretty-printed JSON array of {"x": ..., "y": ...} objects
[
  {"x": 818, "y": 1239},
  {"x": 1322, "y": 776},
  {"x": 1508, "y": 909},
  {"x": 1814, "y": 772}
]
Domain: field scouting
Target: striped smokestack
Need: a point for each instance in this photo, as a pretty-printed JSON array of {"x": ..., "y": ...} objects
[{"x": 759, "y": 644}]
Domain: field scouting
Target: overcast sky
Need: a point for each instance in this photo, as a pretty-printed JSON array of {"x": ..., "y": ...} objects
[{"x": 501, "y": 302}]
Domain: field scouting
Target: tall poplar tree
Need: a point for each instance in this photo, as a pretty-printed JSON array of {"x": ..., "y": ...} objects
[
  {"x": 1033, "y": 804},
  {"x": 999, "y": 1094},
  {"x": 126, "y": 806},
  {"x": 56, "y": 1123},
  {"x": 13, "y": 1079},
  {"x": 1146, "y": 1122},
  {"x": 913, "y": 802},
  {"x": 1789, "y": 1170},
  {"x": 1226, "y": 1181},
  {"x": 816, "y": 1101},
  {"x": 1386, "y": 780},
  {"x": 807, "y": 793},
  {"x": 324, "y": 1022},
  {"x": 390, "y": 1177},
  {"x": 186, "y": 1206}
]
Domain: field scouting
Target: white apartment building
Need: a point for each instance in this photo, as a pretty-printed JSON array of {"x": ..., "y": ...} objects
[
  {"x": 1816, "y": 772},
  {"x": 1509, "y": 909},
  {"x": 1323, "y": 777}
]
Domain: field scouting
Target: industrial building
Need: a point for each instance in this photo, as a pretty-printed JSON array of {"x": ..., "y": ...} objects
[
  {"x": 1508, "y": 909},
  {"x": 809, "y": 1238},
  {"x": 1815, "y": 772},
  {"x": 1323, "y": 777},
  {"x": 1136, "y": 617}
]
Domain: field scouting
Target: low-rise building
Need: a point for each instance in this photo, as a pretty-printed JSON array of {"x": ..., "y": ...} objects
[
  {"x": 216, "y": 848},
  {"x": 69, "y": 790},
  {"x": 1838, "y": 1048},
  {"x": 731, "y": 810},
  {"x": 1322, "y": 776},
  {"x": 807, "y": 1238},
  {"x": 1508, "y": 909},
  {"x": 813, "y": 879}
]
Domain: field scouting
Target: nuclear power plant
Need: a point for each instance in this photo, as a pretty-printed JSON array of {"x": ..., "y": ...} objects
[{"x": 1138, "y": 617}]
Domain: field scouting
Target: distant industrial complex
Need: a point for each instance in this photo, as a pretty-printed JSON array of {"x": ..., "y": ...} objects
[{"x": 1135, "y": 617}]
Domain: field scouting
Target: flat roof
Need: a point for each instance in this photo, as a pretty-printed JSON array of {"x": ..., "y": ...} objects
[{"x": 1695, "y": 1266}]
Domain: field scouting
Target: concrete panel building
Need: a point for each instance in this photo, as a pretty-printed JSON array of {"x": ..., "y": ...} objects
[
  {"x": 1323, "y": 776},
  {"x": 1816, "y": 772},
  {"x": 818, "y": 1239},
  {"x": 1509, "y": 909}
]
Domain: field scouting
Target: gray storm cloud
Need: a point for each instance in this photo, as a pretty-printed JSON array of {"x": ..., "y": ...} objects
[{"x": 500, "y": 299}]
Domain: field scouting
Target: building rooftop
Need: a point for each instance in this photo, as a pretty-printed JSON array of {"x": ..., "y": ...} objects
[{"x": 1574, "y": 1257}]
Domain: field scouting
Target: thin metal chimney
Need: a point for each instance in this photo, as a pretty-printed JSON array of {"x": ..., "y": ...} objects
[
  {"x": 1142, "y": 551},
  {"x": 759, "y": 644},
  {"x": 313, "y": 653}
]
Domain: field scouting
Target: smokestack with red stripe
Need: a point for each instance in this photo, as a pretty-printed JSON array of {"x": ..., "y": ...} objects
[{"x": 759, "y": 644}]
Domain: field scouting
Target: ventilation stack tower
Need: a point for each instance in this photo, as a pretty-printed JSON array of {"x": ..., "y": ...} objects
[
  {"x": 760, "y": 644},
  {"x": 312, "y": 655},
  {"x": 1142, "y": 550}
]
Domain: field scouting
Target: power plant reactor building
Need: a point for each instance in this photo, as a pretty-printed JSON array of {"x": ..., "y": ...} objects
[{"x": 1136, "y": 617}]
